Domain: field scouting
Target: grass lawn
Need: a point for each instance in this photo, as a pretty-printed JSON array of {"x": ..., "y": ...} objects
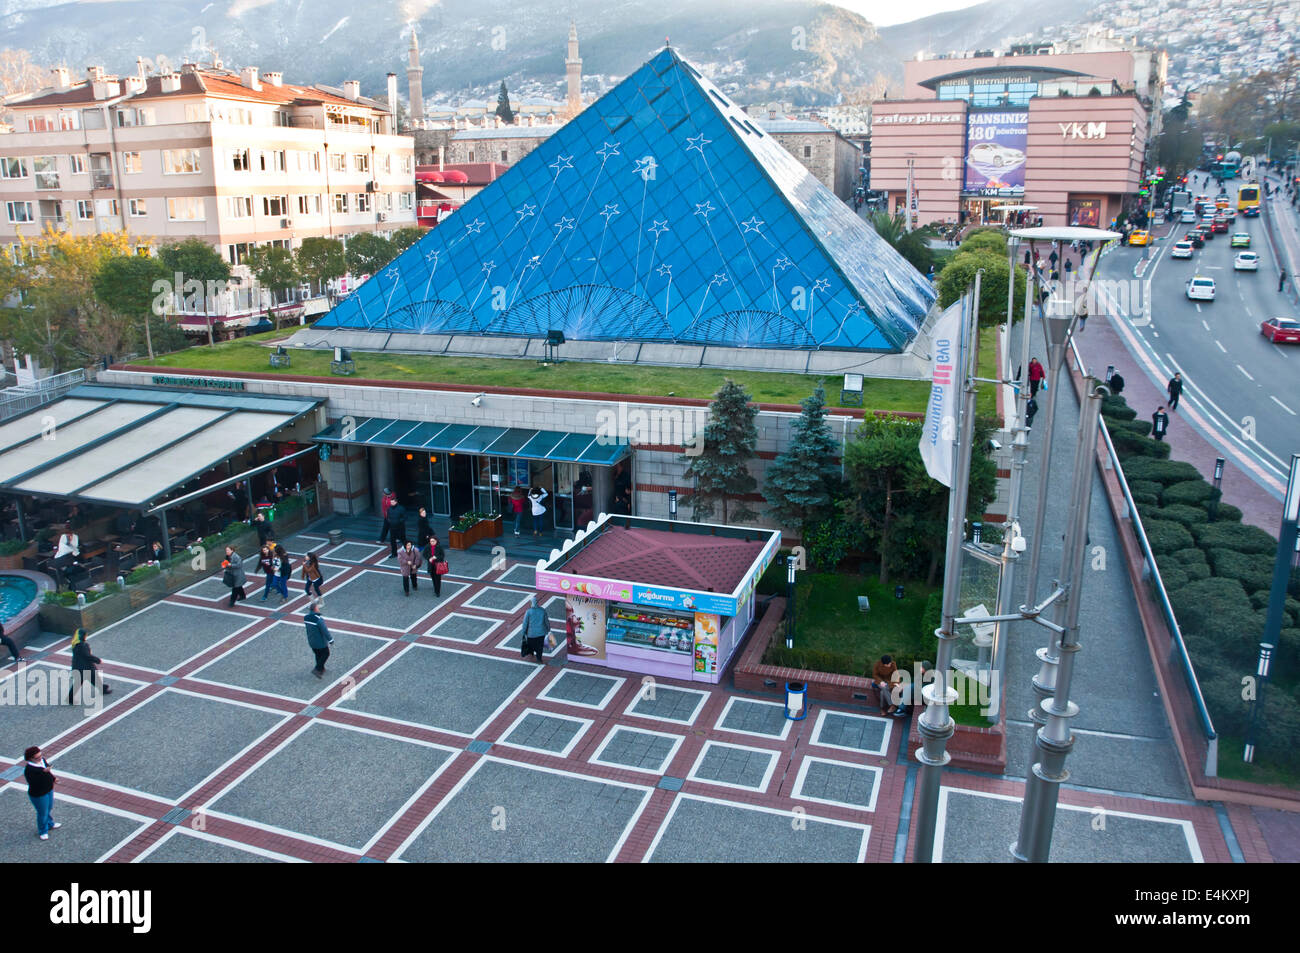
[
  {"x": 251, "y": 355},
  {"x": 1261, "y": 771}
]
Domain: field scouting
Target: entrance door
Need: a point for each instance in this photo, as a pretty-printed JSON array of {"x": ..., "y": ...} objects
[
  {"x": 563, "y": 496},
  {"x": 461, "y": 482},
  {"x": 487, "y": 484},
  {"x": 439, "y": 488},
  {"x": 411, "y": 478}
]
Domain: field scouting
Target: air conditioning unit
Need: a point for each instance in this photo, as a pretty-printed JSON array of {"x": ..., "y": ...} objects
[
  {"x": 286, "y": 223},
  {"x": 383, "y": 217},
  {"x": 370, "y": 186}
]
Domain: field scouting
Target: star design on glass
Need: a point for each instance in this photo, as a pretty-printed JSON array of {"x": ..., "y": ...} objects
[
  {"x": 475, "y": 226},
  {"x": 526, "y": 211},
  {"x": 434, "y": 255},
  {"x": 392, "y": 273},
  {"x": 645, "y": 167},
  {"x": 562, "y": 163},
  {"x": 697, "y": 143},
  {"x": 720, "y": 278},
  {"x": 705, "y": 208},
  {"x": 752, "y": 224},
  {"x": 609, "y": 149},
  {"x": 658, "y": 228},
  {"x": 564, "y": 223},
  {"x": 488, "y": 267},
  {"x": 666, "y": 270},
  {"x": 821, "y": 284},
  {"x": 532, "y": 263},
  {"x": 782, "y": 264},
  {"x": 609, "y": 211}
]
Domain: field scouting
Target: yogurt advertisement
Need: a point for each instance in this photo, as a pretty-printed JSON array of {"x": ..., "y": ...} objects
[{"x": 707, "y": 626}]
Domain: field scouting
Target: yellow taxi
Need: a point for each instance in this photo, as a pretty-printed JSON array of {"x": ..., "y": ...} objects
[{"x": 1140, "y": 237}]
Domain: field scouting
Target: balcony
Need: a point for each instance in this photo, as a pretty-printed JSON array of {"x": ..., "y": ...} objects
[{"x": 101, "y": 180}]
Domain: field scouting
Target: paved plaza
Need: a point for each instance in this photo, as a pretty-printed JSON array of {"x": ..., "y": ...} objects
[{"x": 430, "y": 739}]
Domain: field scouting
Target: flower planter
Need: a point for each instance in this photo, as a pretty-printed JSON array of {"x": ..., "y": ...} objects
[
  {"x": 483, "y": 529},
  {"x": 16, "y": 560}
]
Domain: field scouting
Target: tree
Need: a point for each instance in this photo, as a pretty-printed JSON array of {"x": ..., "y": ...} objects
[
  {"x": 18, "y": 74},
  {"x": 194, "y": 260},
  {"x": 911, "y": 245},
  {"x": 720, "y": 470},
  {"x": 503, "y": 106},
  {"x": 985, "y": 239},
  {"x": 126, "y": 284},
  {"x": 404, "y": 238},
  {"x": 367, "y": 253},
  {"x": 804, "y": 481},
  {"x": 959, "y": 273},
  {"x": 321, "y": 260},
  {"x": 275, "y": 271}
]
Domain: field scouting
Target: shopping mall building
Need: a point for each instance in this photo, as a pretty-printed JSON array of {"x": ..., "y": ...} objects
[{"x": 1066, "y": 132}]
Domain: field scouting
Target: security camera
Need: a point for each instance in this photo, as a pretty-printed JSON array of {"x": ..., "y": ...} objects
[
  {"x": 996, "y": 445},
  {"x": 477, "y": 401}
]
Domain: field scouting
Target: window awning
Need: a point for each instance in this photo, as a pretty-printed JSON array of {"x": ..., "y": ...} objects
[
  {"x": 128, "y": 446},
  {"x": 518, "y": 442}
]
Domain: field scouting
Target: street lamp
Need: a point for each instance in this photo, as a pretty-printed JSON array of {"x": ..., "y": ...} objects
[
  {"x": 1218, "y": 488},
  {"x": 1261, "y": 674},
  {"x": 789, "y": 602},
  {"x": 672, "y": 504}
]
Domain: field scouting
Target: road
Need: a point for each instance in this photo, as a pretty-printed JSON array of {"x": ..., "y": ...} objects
[{"x": 1243, "y": 391}]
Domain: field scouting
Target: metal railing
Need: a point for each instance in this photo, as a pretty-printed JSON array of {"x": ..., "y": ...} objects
[
  {"x": 24, "y": 397},
  {"x": 1161, "y": 594}
]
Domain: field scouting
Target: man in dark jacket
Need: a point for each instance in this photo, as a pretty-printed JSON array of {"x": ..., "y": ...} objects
[
  {"x": 396, "y": 527},
  {"x": 536, "y": 628},
  {"x": 83, "y": 666},
  {"x": 1159, "y": 423},
  {"x": 1175, "y": 389},
  {"x": 318, "y": 637},
  {"x": 40, "y": 789},
  {"x": 264, "y": 528}
]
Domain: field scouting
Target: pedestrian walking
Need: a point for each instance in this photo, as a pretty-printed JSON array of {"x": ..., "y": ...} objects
[
  {"x": 422, "y": 528},
  {"x": 266, "y": 563},
  {"x": 1031, "y": 408},
  {"x": 517, "y": 506},
  {"x": 318, "y": 636},
  {"x": 1036, "y": 375},
  {"x": 233, "y": 575},
  {"x": 84, "y": 667},
  {"x": 535, "y": 632},
  {"x": 1069, "y": 267},
  {"x": 437, "y": 560},
  {"x": 396, "y": 527},
  {"x": 40, "y": 790},
  {"x": 10, "y": 644},
  {"x": 265, "y": 530},
  {"x": 386, "y": 503},
  {"x": 535, "y": 497},
  {"x": 1281, "y": 280},
  {"x": 408, "y": 559},
  {"x": 1175, "y": 389},
  {"x": 312, "y": 578},
  {"x": 284, "y": 572},
  {"x": 1159, "y": 423}
]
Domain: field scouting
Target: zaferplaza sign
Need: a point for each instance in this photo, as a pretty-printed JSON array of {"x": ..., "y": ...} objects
[
  {"x": 1082, "y": 130},
  {"x": 917, "y": 119}
]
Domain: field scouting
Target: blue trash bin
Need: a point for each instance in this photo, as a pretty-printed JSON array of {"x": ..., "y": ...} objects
[{"x": 796, "y": 701}]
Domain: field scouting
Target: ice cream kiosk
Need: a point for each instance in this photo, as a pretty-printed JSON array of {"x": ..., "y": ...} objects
[{"x": 658, "y": 597}]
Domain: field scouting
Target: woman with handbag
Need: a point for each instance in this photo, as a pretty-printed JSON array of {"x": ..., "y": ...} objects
[
  {"x": 437, "y": 561},
  {"x": 234, "y": 575},
  {"x": 408, "y": 558},
  {"x": 311, "y": 574}
]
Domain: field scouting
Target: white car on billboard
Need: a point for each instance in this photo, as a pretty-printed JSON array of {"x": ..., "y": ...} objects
[{"x": 995, "y": 157}]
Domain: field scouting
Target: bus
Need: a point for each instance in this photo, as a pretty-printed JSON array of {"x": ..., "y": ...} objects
[{"x": 1248, "y": 198}]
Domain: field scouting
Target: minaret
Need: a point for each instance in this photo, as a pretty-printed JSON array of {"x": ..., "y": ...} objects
[
  {"x": 573, "y": 70},
  {"x": 415, "y": 81}
]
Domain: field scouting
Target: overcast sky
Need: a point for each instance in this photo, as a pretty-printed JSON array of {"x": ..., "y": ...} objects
[{"x": 886, "y": 12}]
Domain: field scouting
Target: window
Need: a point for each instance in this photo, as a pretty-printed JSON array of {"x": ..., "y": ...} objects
[
  {"x": 503, "y": 155},
  {"x": 180, "y": 161},
  {"x": 195, "y": 112},
  {"x": 16, "y": 253},
  {"x": 20, "y": 211},
  {"x": 106, "y": 208},
  {"x": 85, "y": 210},
  {"x": 281, "y": 117},
  {"x": 239, "y": 206},
  {"x": 406, "y": 201},
  {"x": 41, "y": 124},
  {"x": 338, "y": 162},
  {"x": 92, "y": 119},
  {"x": 47, "y": 172},
  {"x": 309, "y": 205},
  {"x": 308, "y": 161},
  {"x": 363, "y": 202},
  {"x": 471, "y": 155},
  {"x": 237, "y": 252},
  {"x": 275, "y": 206},
  {"x": 239, "y": 161},
  {"x": 78, "y": 163},
  {"x": 13, "y": 167},
  {"x": 188, "y": 208},
  {"x": 135, "y": 117},
  {"x": 406, "y": 164},
  {"x": 340, "y": 201},
  {"x": 807, "y": 152},
  {"x": 271, "y": 161},
  {"x": 69, "y": 121},
  {"x": 239, "y": 117},
  {"x": 386, "y": 164},
  {"x": 131, "y": 162},
  {"x": 138, "y": 208}
]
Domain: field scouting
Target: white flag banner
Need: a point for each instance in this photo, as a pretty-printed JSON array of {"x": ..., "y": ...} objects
[{"x": 939, "y": 433}]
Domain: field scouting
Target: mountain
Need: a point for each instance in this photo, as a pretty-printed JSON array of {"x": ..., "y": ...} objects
[{"x": 797, "y": 50}]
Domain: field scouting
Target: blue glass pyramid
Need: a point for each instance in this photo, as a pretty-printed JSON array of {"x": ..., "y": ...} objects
[{"x": 660, "y": 213}]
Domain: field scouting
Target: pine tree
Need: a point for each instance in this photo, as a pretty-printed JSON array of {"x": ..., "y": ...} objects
[
  {"x": 804, "y": 481},
  {"x": 720, "y": 471},
  {"x": 503, "y": 106}
]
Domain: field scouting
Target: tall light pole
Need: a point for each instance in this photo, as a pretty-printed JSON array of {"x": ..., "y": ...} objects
[
  {"x": 907, "y": 212},
  {"x": 790, "y": 599},
  {"x": 1288, "y": 539}
]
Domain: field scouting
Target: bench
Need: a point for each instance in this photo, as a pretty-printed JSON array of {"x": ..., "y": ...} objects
[{"x": 280, "y": 357}]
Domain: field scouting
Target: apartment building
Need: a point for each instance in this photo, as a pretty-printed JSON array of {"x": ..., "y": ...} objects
[{"x": 237, "y": 159}]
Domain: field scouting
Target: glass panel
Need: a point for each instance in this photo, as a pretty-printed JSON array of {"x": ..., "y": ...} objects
[
  {"x": 481, "y": 439},
  {"x": 439, "y": 495},
  {"x": 563, "y": 495}
]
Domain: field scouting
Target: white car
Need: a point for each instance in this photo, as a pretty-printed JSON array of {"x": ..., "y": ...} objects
[
  {"x": 1188, "y": 217},
  {"x": 1181, "y": 250},
  {"x": 1200, "y": 288},
  {"x": 1246, "y": 261}
]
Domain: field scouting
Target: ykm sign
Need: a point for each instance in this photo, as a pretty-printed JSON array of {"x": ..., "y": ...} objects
[{"x": 1082, "y": 130}]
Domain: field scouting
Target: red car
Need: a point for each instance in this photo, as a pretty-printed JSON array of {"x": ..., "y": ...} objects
[
  {"x": 1281, "y": 330},
  {"x": 1220, "y": 225}
]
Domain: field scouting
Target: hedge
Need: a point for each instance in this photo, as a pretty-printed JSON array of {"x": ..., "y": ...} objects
[
  {"x": 1187, "y": 491},
  {"x": 1191, "y": 561},
  {"x": 1173, "y": 577},
  {"x": 1140, "y": 428},
  {"x": 1188, "y": 516},
  {"x": 1203, "y": 605},
  {"x": 1245, "y": 567},
  {"x": 1238, "y": 536},
  {"x": 1163, "y": 472},
  {"x": 1130, "y": 446},
  {"x": 1226, "y": 513},
  {"x": 1288, "y": 650},
  {"x": 1144, "y": 486},
  {"x": 1166, "y": 536},
  {"x": 1116, "y": 407}
]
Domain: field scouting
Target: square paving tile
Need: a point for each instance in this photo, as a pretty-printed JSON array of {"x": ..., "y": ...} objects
[
  {"x": 36, "y": 709},
  {"x": 866, "y": 733},
  {"x": 430, "y": 686},
  {"x": 164, "y": 635},
  {"x": 834, "y": 782},
  {"x": 376, "y": 598},
  {"x": 183, "y": 846},
  {"x": 167, "y": 745},
  {"x": 545, "y": 731},
  {"x": 300, "y": 544},
  {"x": 667, "y": 703},
  {"x": 980, "y": 827},
  {"x": 498, "y": 600},
  {"x": 463, "y": 627},
  {"x": 639, "y": 750},
  {"x": 703, "y": 830},
  {"x": 300, "y": 787},
  {"x": 522, "y": 574},
  {"x": 734, "y": 766},
  {"x": 749, "y": 717},
  {"x": 211, "y": 589},
  {"x": 580, "y": 688},
  {"x": 352, "y": 552},
  {"x": 499, "y": 812},
  {"x": 555, "y": 611},
  {"x": 87, "y": 834},
  {"x": 279, "y": 661},
  {"x": 469, "y": 565}
]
